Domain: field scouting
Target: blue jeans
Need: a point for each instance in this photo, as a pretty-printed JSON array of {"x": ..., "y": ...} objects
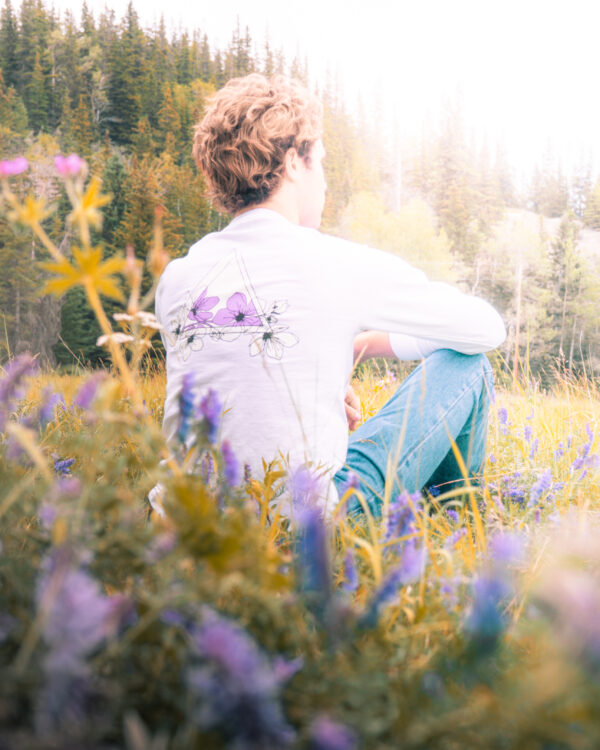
[{"x": 408, "y": 442}]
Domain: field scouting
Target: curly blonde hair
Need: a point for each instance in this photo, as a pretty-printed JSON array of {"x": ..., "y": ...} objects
[{"x": 249, "y": 126}]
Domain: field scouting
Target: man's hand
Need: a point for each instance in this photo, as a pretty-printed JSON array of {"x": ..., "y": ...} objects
[{"x": 352, "y": 406}]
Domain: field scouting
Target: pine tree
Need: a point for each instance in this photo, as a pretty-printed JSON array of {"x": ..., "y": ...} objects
[
  {"x": 9, "y": 40},
  {"x": 592, "y": 209},
  {"x": 82, "y": 128},
  {"x": 169, "y": 122},
  {"x": 126, "y": 74},
  {"x": 13, "y": 114}
]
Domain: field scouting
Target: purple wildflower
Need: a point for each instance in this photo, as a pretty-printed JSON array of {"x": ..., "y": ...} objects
[
  {"x": 77, "y": 616},
  {"x": 11, "y": 385},
  {"x": 63, "y": 465},
  {"x": 350, "y": 575},
  {"x": 507, "y": 548},
  {"x": 527, "y": 432},
  {"x": 559, "y": 452},
  {"x": 186, "y": 406},
  {"x": 386, "y": 591},
  {"x": 304, "y": 487},
  {"x": 86, "y": 394},
  {"x": 413, "y": 562},
  {"x": 313, "y": 556},
  {"x": 47, "y": 515},
  {"x": 173, "y": 617},
  {"x": 210, "y": 409},
  {"x": 486, "y": 620},
  {"x": 540, "y": 488},
  {"x": 76, "y": 619},
  {"x": 492, "y": 458},
  {"x": 589, "y": 431},
  {"x": 237, "y": 687},
  {"x": 502, "y": 415},
  {"x": 238, "y": 312},
  {"x": 8, "y": 624},
  {"x": 50, "y": 401},
  {"x": 352, "y": 482},
  {"x": 454, "y": 538},
  {"x": 160, "y": 547},
  {"x": 452, "y": 514},
  {"x": 534, "y": 448},
  {"x": 448, "y": 589},
  {"x": 207, "y": 467},
  {"x": 247, "y": 473},
  {"x": 231, "y": 466},
  {"x": 401, "y": 520},
  {"x": 11, "y": 167},
  {"x": 326, "y": 734}
]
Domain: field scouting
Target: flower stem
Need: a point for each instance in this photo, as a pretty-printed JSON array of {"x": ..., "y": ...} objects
[{"x": 115, "y": 350}]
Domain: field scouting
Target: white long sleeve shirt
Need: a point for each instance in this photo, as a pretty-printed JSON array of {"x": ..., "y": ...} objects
[{"x": 265, "y": 312}]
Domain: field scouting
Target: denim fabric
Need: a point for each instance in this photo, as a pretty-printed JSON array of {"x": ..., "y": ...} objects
[{"x": 408, "y": 441}]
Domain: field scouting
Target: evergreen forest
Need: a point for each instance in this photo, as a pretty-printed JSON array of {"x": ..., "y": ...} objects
[{"x": 126, "y": 98}]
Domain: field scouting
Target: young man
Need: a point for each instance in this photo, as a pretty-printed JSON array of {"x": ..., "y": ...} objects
[{"x": 267, "y": 311}]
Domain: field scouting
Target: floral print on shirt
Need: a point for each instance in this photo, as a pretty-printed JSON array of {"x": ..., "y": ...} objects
[{"x": 240, "y": 314}]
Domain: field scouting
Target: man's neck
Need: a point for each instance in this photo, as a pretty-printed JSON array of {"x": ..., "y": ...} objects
[{"x": 282, "y": 202}]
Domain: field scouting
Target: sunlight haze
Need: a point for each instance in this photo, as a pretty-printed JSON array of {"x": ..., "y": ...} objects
[{"x": 523, "y": 72}]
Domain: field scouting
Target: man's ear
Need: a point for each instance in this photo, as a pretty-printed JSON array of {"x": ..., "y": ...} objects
[{"x": 292, "y": 163}]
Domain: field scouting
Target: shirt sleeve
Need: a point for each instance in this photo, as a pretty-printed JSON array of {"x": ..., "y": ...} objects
[
  {"x": 410, "y": 347},
  {"x": 388, "y": 294}
]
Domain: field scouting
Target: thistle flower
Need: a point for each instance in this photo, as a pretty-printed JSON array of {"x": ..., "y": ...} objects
[
  {"x": 11, "y": 167},
  {"x": 231, "y": 468},
  {"x": 69, "y": 166},
  {"x": 210, "y": 409},
  {"x": 326, "y": 734}
]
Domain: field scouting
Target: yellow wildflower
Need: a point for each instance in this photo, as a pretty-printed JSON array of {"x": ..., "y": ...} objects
[
  {"x": 88, "y": 205},
  {"x": 88, "y": 269}
]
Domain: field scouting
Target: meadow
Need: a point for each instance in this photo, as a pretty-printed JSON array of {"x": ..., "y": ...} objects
[{"x": 466, "y": 620}]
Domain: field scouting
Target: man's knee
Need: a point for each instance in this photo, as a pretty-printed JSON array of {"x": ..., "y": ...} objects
[{"x": 456, "y": 365}]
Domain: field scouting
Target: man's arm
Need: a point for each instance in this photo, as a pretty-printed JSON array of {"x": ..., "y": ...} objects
[{"x": 381, "y": 344}]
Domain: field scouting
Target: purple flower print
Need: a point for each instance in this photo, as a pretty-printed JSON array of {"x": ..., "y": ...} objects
[
  {"x": 200, "y": 310},
  {"x": 238, "y": 312}
]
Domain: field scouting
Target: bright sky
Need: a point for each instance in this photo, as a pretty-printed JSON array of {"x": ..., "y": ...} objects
[{"x": 526, "y": 71}]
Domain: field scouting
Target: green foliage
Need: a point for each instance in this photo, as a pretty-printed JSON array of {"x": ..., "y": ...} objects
[
  {"x": 430, "y": 671},
  {"x": 410, "y": 233}
]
